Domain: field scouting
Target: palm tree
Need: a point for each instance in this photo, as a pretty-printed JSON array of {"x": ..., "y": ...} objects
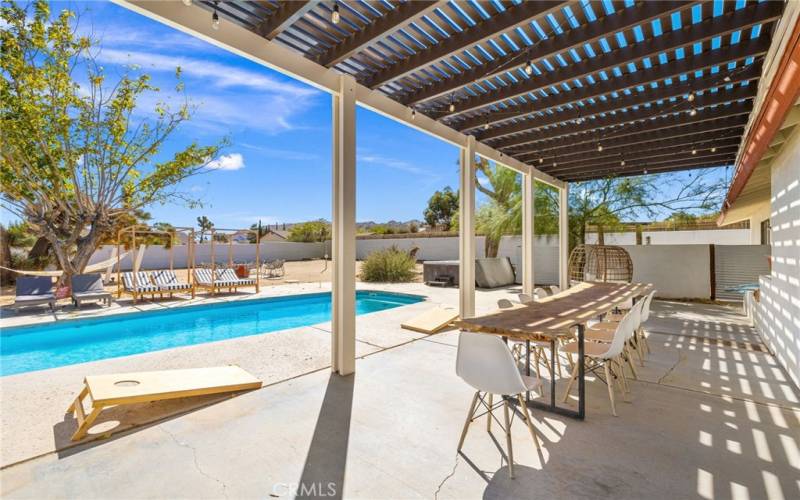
[{"x": 205, "y": 225}]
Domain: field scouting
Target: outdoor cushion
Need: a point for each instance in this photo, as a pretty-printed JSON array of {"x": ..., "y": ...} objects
[
  {"x": 87, "y": 283},
  {"x": 494, "y": 272},
  {"x": 34, "y": 285},
  {"x": 143, "y": 283},
  {"x": 167, "y": 280}
]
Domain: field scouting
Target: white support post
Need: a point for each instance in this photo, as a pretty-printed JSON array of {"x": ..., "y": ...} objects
[
  {"x": 466, "y": 231},
  {"x": 343, "y": 241},
  {"x": 528, "y": 237},
  {"x": 563, "y": 236}
]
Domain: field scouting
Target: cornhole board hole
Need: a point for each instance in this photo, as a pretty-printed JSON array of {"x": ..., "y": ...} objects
[
  {"x": 432, "y": 321},
  {"x": 143, "y": 387}
]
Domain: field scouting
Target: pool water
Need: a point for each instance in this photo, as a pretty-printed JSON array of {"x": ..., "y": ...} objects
[{"x": 37, "y": 347}]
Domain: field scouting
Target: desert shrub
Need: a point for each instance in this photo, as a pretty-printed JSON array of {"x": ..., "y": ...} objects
[{"x": 389, "y": 265}]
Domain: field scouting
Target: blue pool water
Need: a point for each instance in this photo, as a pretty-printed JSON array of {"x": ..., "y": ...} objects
[{"x": 37, "y": 347}]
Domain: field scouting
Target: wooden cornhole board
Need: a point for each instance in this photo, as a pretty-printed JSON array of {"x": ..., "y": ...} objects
[
  {"x": 432, "y": 321},
  {"x": 143, "y": 387}
]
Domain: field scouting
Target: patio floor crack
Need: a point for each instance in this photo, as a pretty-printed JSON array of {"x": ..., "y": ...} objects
[
  {"x": 448, "y": 476},
  {"x": 672, "y": 368},
  {"x": 194, "y": 458}
]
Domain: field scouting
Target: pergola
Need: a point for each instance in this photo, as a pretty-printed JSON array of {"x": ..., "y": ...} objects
[{"x": 558, "y": 91}]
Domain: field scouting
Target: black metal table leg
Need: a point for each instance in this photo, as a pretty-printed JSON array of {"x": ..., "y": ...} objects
[
  {"x": 528, "y": 366},
  {"x": 581, "y": 370},
  {"x": 553, "y": 373}
]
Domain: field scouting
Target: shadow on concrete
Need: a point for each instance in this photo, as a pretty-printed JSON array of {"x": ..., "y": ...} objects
[
  {"x": 326, "y": 461},
  {"x": 116, "y": 422}
]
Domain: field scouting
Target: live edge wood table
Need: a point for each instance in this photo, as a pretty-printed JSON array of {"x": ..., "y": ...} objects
[{"x": 555, "y": 317}]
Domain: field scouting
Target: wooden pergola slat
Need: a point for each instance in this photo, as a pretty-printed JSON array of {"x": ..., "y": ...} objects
[
  {"x": 588, "y": 127},
  {"x": 687, "y": 36},
  {"x": 576, "y": 37},
  {"x": 403, "y": 14},
  {"x": 644, "y": 156},
  {"x": 737, "y": 119},
  {"x": 654, "y": 168},
  {"x": 287, "y": 13},
  {"x": 649, "y": 96},
  {"x": 513, "y": 17}
]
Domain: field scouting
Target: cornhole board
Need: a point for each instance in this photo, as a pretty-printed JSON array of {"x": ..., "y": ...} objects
[
  {"x": 432, "y": 321},
  {"x": 143, "y": 387}
]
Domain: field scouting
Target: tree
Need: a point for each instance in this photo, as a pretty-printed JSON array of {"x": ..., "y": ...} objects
[
  {"x": 251, "y": 237},
  {"x": 603, "y": 203},
  {"x": 606, "y": 202},
  {"x": 442, "y": 207},
  {"x": 307, "y": 232},
  {"x": 205, "y": 225},
  {"x": 75, "y": 158}
]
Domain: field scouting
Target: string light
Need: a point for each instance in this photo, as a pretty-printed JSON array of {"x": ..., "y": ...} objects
[
  {"x": 452, "y": 103},
  {"x": 486, "y": 125},
  {"x": 413, "y": 113},
  {"x": 187, "y": 3},
  {"x": 690, "y": 97},
  {"x": 529, "y": 67},
  {"x": 599, "y": 148},
  {"x": 693, "y": 112},
  {"x": 714, "y": 150},
  {"x": 215, "y": 18},
  {"x": 335, "y": 17},
  {"x": 622, "y": 163},
  {"x": 694, "y": 151},
  {"x": 727, "y": 78}
]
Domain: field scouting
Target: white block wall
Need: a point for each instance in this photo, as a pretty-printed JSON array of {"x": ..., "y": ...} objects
[
  {"x": 778, "y": 311},
  {"x": 698, "y": 237},
  {"x": 677, "y": 271}
]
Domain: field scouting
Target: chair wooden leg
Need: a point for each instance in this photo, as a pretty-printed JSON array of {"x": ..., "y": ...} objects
[
  {"x": 610, "y": 384},
  {"x": 536, "y": 362},
  {"x": 528, "y": 420},
  {"x": 468, "y": 421},
  {"x": 645, "y": 343},
  {"x": 629, "y": 357},
  {"x": 571, "y": 381},
  {"x": 489, "y": 415},
  {"x": 508, "y": 440}
]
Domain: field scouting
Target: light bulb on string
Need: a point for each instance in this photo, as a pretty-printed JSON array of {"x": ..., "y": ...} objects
[
  {"x": 599, "y": 148},
  {"x": 714, "y": 150},
  {"x": 335, "y": 16},
  {"x": 187, "y": 3},
  {"x": 215, "y": 20},
  {"x": 529, "y": 68},
  {"x": 413, "y": 113},
  {"x": 486, "y": 126},
  {"x": 693, "y": 112},
  {"x": 690, "y": 97}
]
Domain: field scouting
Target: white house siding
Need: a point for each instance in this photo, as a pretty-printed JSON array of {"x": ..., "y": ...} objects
[{"x": 778, "y": 311}]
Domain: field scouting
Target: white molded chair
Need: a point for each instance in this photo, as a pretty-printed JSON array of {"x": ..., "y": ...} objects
[
  {"x": 538, "y": 347},
  {"x": 554, "y": 289},
  {"x": 606, "y": 355},
  {"x": 485, "y": 362},
  {"x": 605, "y": 331},
  {"x": 641, "y": 338},
  {"x": 524, "y": 298}
]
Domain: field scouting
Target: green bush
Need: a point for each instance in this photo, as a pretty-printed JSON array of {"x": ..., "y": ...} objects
[{"x": 390, "y": 265}]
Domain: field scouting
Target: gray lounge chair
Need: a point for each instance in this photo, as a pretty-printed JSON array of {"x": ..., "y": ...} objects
[
  {"x": 34, "y": 291},
  {"x": 87, "y": 287}
]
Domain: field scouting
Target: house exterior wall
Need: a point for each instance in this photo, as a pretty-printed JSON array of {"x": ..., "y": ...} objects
[{"x": 777, "y": 314}]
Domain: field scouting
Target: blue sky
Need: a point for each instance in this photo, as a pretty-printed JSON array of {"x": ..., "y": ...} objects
[{"x": 278, "y": 166}]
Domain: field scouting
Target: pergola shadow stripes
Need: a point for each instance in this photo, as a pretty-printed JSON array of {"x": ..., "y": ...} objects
[{"x": 528, "y": 78}]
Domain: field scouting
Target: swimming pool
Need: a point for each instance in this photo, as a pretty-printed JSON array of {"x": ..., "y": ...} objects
[{"x": 37, "y": 347}]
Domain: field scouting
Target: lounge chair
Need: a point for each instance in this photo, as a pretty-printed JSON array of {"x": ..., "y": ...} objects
[
  {"x": 34, "y": 291},
  {"x": 224, "y": 278},
  {"x": 143, "y": 387},
  {"x": 143, "y": 285},
  {"x": 89, "y": 287},
  {"x": 167, "y": 281}
]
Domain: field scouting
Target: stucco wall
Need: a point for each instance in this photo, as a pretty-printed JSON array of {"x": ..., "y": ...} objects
[
  {"x": 699, "y": 237},
  {"x": 678, "y": 271},
  {"x": 778, "y": 312}
]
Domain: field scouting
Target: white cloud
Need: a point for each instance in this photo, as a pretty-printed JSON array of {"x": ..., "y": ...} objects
[
  {"x": 220, "y": 75},
  {"x": 393, "y": 163},
  {"x": 233, "y": 161},
  {"x": 282, "y": 154}
]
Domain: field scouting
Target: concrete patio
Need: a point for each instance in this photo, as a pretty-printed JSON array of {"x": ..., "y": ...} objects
[{"x": 712, "y": 416}]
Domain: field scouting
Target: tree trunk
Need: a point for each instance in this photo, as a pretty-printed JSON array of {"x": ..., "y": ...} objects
[
  {"x": 39, "y": 254},
  {"x": 491, "y": 246},
  {"x": 5, "y": 257},
  {"x": 601, "y": 235}
]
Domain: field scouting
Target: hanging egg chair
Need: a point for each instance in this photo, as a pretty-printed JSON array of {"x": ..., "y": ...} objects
[{"x": 604, "y": 263}]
